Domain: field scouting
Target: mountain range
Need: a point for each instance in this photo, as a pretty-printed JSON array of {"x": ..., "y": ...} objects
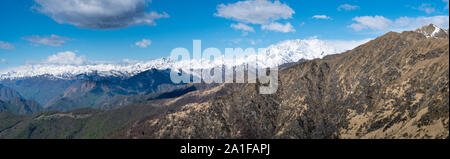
[
  {"x": 67, "y": 87},
  {"x": 394, "y": 86},
  {"x": 11, "y": 100}
]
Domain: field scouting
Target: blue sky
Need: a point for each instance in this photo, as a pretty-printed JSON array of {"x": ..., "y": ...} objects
[{"x": 33, "y": 30}]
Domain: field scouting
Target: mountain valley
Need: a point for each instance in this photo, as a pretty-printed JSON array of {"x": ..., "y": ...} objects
[{"x": 394, "y": 86}]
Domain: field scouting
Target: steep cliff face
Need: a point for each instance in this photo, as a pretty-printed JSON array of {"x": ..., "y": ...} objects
[{"x": 395, "y": 86}]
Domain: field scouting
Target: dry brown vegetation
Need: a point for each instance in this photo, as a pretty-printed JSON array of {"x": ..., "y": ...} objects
[{"x": 395, "y": 86}]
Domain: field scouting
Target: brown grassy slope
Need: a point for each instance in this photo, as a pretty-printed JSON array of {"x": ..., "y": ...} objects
[{"x": 395, "y": 86}]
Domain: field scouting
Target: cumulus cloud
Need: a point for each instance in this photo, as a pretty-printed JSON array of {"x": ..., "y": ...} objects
[
  {"x": 243, "y": 27},
  {"x": 61, "y": 58},
  {"x": 65, "y": 58},
  {"x": 70, "y": 58},
  {"x": 52, "y": 40},
  {"x": 143, "y": 43},
  {"x": 99, "y": 14},
  {"x": 427, "y": 8},
  {"x": 284, "y": 28},
  {"x": 408, "y": 23},
  {"x": 6, "y": 46},
  {"x": 129, "y": 61},
  {"x": 380, "y": 23},
  {"x": 260, "y": 12},
  {"x": 255, "y": 11},
  {"x": 346, "y": 44},
  {"x": 321, "y": 17},
  {"x": 347, "y": 7},
  {"x": 370, "y": 22},
  {"x": 247, "y": 41}
]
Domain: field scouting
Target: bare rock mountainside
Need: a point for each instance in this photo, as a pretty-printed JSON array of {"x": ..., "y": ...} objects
[{"x": 395, "y": 86}]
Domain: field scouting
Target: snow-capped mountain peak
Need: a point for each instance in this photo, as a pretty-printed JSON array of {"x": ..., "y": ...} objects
[
  {"x": 284, "y": 52},
  {"x": 69, "y": 71},
  {"x": 294, "y": 50},
  {"x": 433, "y": 31}
]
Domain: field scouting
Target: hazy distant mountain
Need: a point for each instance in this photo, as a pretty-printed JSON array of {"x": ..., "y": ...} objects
[
  {"x": 65, "y": 87},
  {"x": 39, "y": 88},
  {"x": 12, "y": 101},
  {"x": 79, "y": 71},
  {"x": 89, "y": 90},
  {"x": 284, "y": 52},
  {"x": 7, "y": 93},
  {"x": 395, "y": 86},
  {"x": 97, "y": 93},
  {"x": 93, "y": 123}
]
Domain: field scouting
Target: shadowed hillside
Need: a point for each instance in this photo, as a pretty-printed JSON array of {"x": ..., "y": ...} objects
[
  {"x": 395, "y": 86},
  {"x": 12, "y": 101}
]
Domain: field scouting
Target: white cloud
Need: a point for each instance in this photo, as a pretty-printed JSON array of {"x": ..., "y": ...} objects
[
  {"x": 321, "y": 17},
  {"x": 347, "y": 7},
  {"x": 286, "y": 28},
  {"x": 3, "y": 61},
  {"x": 370, "y": 22},
  {"x": 255, "y": 11},
  {"x": 70, "y": 58},
  {"x": 143, "y": 43},
  {"x": 410, "y": 23},
  {"x": 6, "y": 46},
  {"x": 64, "y": 58},
  {"x": 427, "y": 8},
  {"x": 129, "y": 61},
  {"x": 346, "y": 44},
  {"x": 99, "y": 14},
  {"x": 260, "y": 12},
  {"x": 247, "y": 41},
  {"x": 52, "y": 40},
  {"x": 380, "y": 23},
  {"x": 243, "y": 27}
]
